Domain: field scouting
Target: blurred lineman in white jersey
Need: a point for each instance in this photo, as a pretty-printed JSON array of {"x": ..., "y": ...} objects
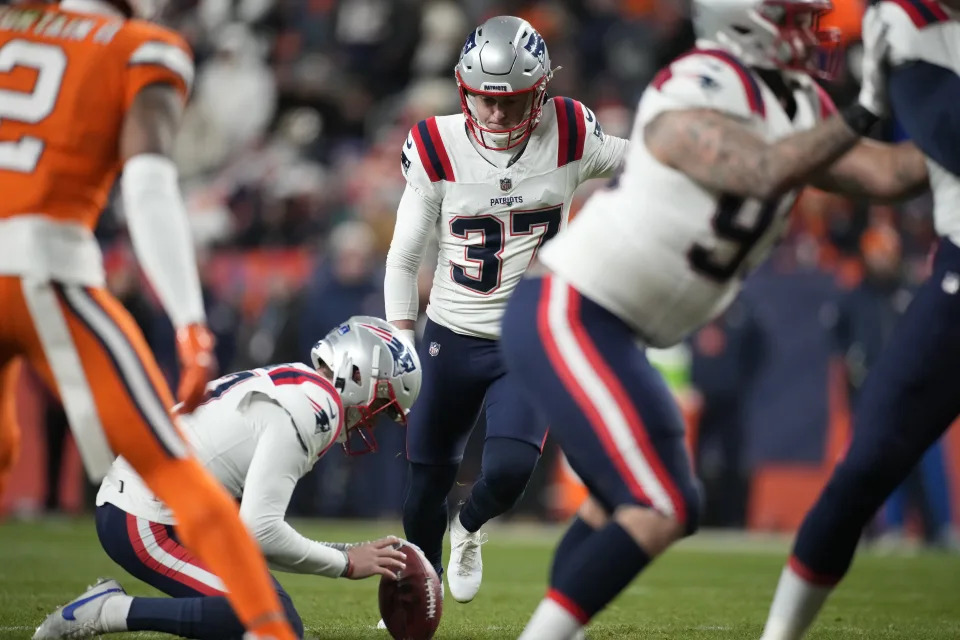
[{"x": 723, "y": 139}]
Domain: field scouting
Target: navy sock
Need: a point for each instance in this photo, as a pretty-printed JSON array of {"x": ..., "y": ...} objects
[
  {"x": 576, "y": 534},
  {"x": 599, "y": 569},
  {"x": 425, "y": 508},
  {"x": 506, "y": 468},
  {"x": 209, "y": 618},
  {"x": 202, "y": 618}
]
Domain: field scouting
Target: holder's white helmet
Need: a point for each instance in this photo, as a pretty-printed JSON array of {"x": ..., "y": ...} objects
[
  {"x": 376, "y": 372},
  {"x": 770, "y": 34}
]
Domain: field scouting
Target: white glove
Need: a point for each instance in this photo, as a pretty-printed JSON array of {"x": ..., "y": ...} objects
[{"x": 873, "y": 84}]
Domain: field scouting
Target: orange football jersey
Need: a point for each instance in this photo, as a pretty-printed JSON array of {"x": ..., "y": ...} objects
[{"x": 66, "y": 82}]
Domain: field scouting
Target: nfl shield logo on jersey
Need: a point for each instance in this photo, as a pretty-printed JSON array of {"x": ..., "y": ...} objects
[
  {"x": 506, "y": 184},
  {"x": 434, "y": 348}
]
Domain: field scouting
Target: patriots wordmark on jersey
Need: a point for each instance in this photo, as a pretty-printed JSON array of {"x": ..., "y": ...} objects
[
  {"x": 685, "y": 247},
  {"x": 491, "y": 220}
]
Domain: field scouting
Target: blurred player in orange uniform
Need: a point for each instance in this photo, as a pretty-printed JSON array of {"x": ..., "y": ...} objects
[{"x": 86, "y": 91}]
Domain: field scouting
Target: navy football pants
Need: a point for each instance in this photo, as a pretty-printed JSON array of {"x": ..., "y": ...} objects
[
  {"x": 909, "y": 399},
  {"x": 461, "y": 375},
  {"x": 152, "y": 552},
  {"x": 607, "y": 406}
]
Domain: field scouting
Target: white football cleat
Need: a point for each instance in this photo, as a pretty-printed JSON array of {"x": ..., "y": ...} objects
[
  {"x": 80, "y": 618},
  {"x": 465, "y": 570}
]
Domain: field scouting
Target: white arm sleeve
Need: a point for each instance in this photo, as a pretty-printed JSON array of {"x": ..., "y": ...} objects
[
  {"x": 160, "y": 233},
  {"x": 278, "y": 463},
  {"x": 415, "y": 218}
]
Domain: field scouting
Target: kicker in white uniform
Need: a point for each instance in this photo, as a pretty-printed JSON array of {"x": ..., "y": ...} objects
[{"x": 496, "y": 183}]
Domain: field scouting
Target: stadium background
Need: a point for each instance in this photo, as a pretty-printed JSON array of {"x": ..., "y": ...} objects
[{"x": 289, "y": 156}]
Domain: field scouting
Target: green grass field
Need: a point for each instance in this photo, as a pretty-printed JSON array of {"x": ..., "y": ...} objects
[{"x": 713, "y": 586}]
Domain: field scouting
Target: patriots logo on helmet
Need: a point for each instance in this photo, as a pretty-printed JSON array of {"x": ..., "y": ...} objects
[
  {"x": 536, "y": 46},
  {"x": 470, "y": 43},
  {"x": 402, "y": 359}
]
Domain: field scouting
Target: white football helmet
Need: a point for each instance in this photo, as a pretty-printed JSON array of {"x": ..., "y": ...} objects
[
  {"x": 376, "y": 372},
  {"x": 770, "y": 34},
  {"x": 505, "y": 56}
]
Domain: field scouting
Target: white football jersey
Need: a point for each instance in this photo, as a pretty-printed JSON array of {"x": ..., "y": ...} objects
[
  {"x": 491, "y": 220},
  {"x": 924, "y": 35},
  {"x": 656, "y": 248},
  {"x": 224, "y": 441}
]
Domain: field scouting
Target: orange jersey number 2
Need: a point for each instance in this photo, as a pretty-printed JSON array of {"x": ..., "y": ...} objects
[{"x": 50, "y": 62}]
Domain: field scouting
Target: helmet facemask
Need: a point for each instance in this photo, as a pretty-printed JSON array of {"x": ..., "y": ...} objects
[
  {"x": 502, "y": 139},
  {"x": 360, "y": 419},
  {"x": 364, "y": 358}
]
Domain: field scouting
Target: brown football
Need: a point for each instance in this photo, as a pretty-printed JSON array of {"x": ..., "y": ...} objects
[{"x": 412, "y": 605}]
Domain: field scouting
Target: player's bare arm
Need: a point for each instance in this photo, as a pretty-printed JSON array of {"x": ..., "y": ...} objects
[
  {"x": 406, "y": 325},
  {"x": 720, "y": 152},
  {"x": 881, "y": 172},
  {"x": 152, "y": 122}
]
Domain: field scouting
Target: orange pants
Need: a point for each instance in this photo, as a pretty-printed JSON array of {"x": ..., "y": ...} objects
[{"x": 84, "y": 344}]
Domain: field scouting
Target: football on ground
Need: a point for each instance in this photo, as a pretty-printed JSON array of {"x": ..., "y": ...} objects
[{"x": 411, "y": 605}]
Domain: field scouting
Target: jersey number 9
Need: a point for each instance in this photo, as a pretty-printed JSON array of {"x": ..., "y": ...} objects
[{"x": 740, "y": 227}]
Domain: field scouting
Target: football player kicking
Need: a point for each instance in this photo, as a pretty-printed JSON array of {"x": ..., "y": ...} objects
[
  {"x": 910, "y": 396},
  {"x": 258, "y": 432},
  {"x": 89, "y": 89},
  {"x": 723, "y": 139},
  {"x": 496, "y": 182}
]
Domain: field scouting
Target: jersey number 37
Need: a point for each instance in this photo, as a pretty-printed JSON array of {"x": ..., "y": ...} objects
[{"x": 487, "y": 255}]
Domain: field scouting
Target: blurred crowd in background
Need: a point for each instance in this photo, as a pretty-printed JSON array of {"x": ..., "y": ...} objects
[{"x": 289, "y": 156}]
